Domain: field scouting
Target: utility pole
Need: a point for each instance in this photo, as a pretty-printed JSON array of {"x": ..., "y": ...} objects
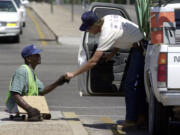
[
  {"x": 128, "y": 2},
  {"x": 112, "y": 1},
  {"x": 72, "y": 10},
  {"x": 85, "y": 4},
  {"x": 51, "y": 3}
]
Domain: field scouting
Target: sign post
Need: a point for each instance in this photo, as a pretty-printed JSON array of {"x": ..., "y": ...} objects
[
  {"x": 51, "y": 3},
  {"x": 72, "y": 10}
]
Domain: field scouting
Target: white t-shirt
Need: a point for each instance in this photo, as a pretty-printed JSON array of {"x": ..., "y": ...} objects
[{"x": 118, "y": 32}]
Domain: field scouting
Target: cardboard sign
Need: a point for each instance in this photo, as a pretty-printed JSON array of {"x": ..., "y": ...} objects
[{"x": 38, "y": 102}]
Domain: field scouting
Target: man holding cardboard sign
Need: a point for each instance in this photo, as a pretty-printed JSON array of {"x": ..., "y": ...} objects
[{"x": 25, "y": 83}]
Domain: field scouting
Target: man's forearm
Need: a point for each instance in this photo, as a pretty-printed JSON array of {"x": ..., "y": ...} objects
[
  {"x": 60, "y": 81},
  {"x": 20, "y": 101},
  {"x": 49, "y": 88},
  {"x": 89, "y": 65}
]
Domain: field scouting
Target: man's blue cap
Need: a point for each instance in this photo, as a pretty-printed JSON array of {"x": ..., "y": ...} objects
[
  {"x": 30, "y": 50},
  {"x": 88, "y": 19}
]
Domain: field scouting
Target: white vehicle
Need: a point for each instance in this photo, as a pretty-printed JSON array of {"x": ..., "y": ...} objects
[
  {"x": 22, "y": 10},
  {"x": 162, "y": 77},
  {"x": 9, "y": 20}
]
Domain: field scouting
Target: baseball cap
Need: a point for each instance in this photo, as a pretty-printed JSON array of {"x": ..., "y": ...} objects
[
  {"x": 30, "y": 50},
  {"x": 88, "y": 19}
]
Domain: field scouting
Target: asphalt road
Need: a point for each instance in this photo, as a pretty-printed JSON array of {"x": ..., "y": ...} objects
[{"x": 94, "y": 111}]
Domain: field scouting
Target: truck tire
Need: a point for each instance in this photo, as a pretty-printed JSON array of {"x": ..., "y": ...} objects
[{"x": 158, "y": 117}]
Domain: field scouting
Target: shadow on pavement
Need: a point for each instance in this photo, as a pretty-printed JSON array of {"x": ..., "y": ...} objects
[
  {"x": 71, "y": 119},
  {"x": 129, "y": 131},
  {"x": 99, "y": 126},
  {"x": 7, "y": 40}
]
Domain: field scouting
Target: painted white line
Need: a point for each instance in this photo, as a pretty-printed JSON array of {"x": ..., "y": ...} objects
[{"x": 55, "y": 115}]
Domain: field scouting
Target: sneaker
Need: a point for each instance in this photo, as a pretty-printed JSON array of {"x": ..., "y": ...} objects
[{"x": 120, "y": 130}]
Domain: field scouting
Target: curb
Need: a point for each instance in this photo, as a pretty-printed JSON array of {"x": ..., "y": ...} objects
[
  {"x": 61, "y": 40},
  {"x": 56, "y": 37},
  {"x": 75, "y": 123}
]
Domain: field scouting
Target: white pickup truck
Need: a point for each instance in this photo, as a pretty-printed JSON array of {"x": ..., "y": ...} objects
[{"x": 162, "y": 80}]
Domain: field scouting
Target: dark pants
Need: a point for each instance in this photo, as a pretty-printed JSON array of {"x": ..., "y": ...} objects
[{"x": 133, "y": 86}]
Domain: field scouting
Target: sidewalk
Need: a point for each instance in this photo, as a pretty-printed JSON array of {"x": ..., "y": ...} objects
[
  {"x": 60, "y": 124},
  {"x": 60, "y": 22}
]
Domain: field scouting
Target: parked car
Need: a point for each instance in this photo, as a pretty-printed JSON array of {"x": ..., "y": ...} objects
[
  {"x": 105, "y": 77},
  {"x": 9, "y": 20},
  {"x": 22, "y": 10}
]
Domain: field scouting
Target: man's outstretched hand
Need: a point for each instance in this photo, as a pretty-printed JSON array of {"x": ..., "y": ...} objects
[
  {"x": 69, "y": 75},
  {"x": 62, "y": 79}
]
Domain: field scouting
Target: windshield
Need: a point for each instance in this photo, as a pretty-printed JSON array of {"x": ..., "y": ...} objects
[
  {"x": 17, "y": 3},
  {"x": 7, "y": 6}
]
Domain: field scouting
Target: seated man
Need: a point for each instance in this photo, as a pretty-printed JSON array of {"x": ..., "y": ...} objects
[{"x": 25, "y": 83}]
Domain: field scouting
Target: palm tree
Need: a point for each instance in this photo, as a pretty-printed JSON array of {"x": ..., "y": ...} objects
[{"x": 143, "y": 14}]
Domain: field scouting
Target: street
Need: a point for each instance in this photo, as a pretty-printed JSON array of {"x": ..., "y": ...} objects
[{"x": 97, "y": 113}]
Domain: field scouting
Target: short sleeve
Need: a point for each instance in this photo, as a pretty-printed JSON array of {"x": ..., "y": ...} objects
[
  {"x": 106, "y": 40},
  {"x": 19, "y": 81},
  {"x": 40, "y": 85},
  {"x": 110, "y": 32}
]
